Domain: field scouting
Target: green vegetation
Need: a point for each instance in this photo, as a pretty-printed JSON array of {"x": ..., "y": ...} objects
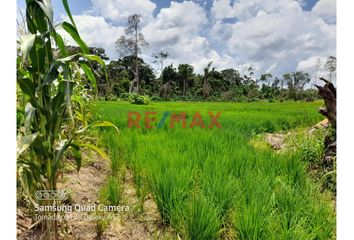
[
  {"x": 51, "y": 104},
  {"x": 112, "y": 192},
  {"x": 131, "y": 74},
  {"x": 212, "y": 183},
  {"x": 208, "y": 183},
  {"x": 311, "y": 149}
]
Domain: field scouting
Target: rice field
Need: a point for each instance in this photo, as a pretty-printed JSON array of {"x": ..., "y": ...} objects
[{"x": 211, "y": 183}]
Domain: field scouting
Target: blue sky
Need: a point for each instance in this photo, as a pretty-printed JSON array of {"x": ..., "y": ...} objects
[{"x": 272, "y": 36}]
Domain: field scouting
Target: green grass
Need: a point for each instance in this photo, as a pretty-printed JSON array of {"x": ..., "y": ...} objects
[
  {"x": 209, "y": 183},
  {"x": 112, "y": 192}
]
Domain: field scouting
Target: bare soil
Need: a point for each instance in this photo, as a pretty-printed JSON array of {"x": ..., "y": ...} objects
[{"x": 85, "y": 187}]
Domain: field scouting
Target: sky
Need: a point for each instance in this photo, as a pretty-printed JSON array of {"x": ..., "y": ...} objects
[{"x": 275, "y": 36}]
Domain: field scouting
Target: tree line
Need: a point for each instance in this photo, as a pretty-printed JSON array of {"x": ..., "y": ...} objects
[{"x": 130, "y": 74}]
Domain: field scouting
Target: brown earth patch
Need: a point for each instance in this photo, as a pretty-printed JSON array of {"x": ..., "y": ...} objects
[{"x": 84, "y": 188}]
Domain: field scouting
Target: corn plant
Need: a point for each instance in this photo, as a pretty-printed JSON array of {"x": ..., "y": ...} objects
[{"x": 53, "y": 119}]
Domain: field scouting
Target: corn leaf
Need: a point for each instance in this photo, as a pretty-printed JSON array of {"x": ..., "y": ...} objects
[
  {"x": 26, "y": 42},
  {"x": 29, "y": 115},
  {"x": 96, "y": 149},
  {"x": 23, "y": 142},
  {"x": 90, "y": 75},
  {"x": 72, "y": 31},
  {"x": 67, "y": 9},
  {"x": 99, "y": 124}
]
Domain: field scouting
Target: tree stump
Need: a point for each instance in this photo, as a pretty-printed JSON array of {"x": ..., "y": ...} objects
[{"x": 329, "y": 94}]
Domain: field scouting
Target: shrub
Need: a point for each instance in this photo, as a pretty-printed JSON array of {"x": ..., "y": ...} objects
[
  {"x": 126, "y": 96},
  {"x": 227, "y": 96},
  {"x": 140, "y": 100},
  {"x": 156, "y": 98},
  {"x": 111, "y": 97}
]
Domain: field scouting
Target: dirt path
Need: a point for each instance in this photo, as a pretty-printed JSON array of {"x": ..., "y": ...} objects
[
  {"x": 130, "y": 225},
  {"x": 134, "y": 225},
  {"x": 84, "y": 189}
]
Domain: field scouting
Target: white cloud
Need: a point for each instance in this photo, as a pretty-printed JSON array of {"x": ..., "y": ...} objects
[
  {"x": 326, "y": 9},
  {"x": 272, "y": 35},
  {"x": 247, "y": 9},
  {"x": 118, "y": 11},
  {"x": 96, "y": 32},
  {"x": 177, "y": 29},
  {"x": 222, "y": 9},
  {"x": 314, "y": 66},
  {"x": 176, "y": 21}
]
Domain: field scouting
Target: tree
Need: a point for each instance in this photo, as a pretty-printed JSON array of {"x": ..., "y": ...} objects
[
  {"x": 169, "y": 76},
  {"x": 266, "y": 77},
  {"x": 217, "y": 83},
  {"x": 232, "y": 76},
  {"x": 296, "y": 82},
  {"x": 185, "y": 72},
  {"x": 250, "y": 87},
  {"x": 317, "y": 67},
  {"x": 206, "y": 85},
  {"x": 131, "y": 44},
  {"x": 122, "y": 71},
  {"x": 331, "y": 66},
  {"x": 160, "y": 58}
]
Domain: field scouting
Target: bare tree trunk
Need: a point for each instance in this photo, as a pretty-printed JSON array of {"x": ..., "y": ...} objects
[
  {"x": 205, "y": 87},
  {"x": 136, "y": 61},
  {"x": 137, "y": 73},
  {"x": 131, "y": 88}
]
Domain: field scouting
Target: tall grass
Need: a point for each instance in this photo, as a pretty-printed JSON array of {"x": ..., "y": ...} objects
[{"x": 210, "y": 181}]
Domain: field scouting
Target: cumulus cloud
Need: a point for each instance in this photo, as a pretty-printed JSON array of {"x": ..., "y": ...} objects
[
  {"x": 96, "y": 32},
  {"x": 316, "y": 67},
  {"x": 177, "y": 21},
  {"x": 272, "y": 36},
  {"x": 177, "y": 29},
  {"x": 247, "y": 9},
  {"x": 118, "y": 11},
  {"x": 326, "y": 9}
]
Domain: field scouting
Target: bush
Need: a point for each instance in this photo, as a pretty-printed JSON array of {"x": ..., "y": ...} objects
[
  {"x": 110, "y": 97},
  {"x": 227, "y": 96},
  {"x": 140, "y": 100},
  {"x": 126, "y": 96},
  {"x": 156, "y": 98}
]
